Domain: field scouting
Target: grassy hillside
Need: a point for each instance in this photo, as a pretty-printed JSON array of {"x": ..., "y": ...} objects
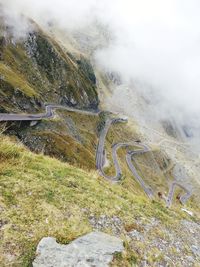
[{"x": 41, "y": 196}]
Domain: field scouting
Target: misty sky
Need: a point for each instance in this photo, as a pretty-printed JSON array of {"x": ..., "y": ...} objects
[{"x": 157, "y": 43}]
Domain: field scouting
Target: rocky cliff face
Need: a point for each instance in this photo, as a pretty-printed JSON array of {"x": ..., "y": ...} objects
[{"x": 38, "y": 70}]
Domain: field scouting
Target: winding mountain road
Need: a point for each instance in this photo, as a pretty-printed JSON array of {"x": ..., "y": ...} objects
[
  {"x": 100, "y": 159},
  {"x": 183, "y": 198},
  {"x": 100, "y": 153},
  {"x": 47, "y": 115},
  {"x": 129, "y": 159}
]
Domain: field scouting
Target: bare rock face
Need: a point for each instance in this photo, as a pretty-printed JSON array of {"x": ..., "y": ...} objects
[{"x": 94, "y": 249}]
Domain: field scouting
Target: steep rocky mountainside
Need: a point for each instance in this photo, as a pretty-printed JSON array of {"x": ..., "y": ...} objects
[
  {"x": 37, "y": 70},
  {"x": 65, "y": 197}
]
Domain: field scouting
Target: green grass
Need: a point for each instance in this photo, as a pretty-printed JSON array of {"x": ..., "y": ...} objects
[
  {"x": 40, "y": 196},
  {"x": 16, "y": 81}
]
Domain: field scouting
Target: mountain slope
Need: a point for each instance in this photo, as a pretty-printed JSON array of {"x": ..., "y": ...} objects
[
  {"x": 41, "y": 197},
  {"x": 37, "y": 70}
]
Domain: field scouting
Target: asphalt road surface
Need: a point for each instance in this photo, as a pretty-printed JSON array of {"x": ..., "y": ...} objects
[
  {"x": 100, "y": 155},
  {"x": 48, "y": 114},
  {"x": 183, "y": 198}
]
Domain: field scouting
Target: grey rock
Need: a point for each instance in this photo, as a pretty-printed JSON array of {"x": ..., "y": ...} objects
[
  {"x": 143, "y": 264},
  {"x": 94, "y": 249},
  {"x": 190, "y": 259},
  {"x": 196, "y": 250},
  {"x": 104, "y": 222},
  {"x": 136, "y": 235},
  {"x": 33, "y": 123}
]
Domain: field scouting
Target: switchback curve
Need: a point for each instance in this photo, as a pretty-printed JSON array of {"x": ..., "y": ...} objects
[
  {"x": 100, "y": 154},
  {"x": 183, "y": 198}
]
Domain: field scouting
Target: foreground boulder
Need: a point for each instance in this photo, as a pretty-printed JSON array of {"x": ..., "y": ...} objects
[{"x": 94, "y": 249}]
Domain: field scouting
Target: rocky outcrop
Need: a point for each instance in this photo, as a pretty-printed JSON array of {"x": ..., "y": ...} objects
[
  {"x": 40, "y": 70},
  {"x": 94, "y": 249}
]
